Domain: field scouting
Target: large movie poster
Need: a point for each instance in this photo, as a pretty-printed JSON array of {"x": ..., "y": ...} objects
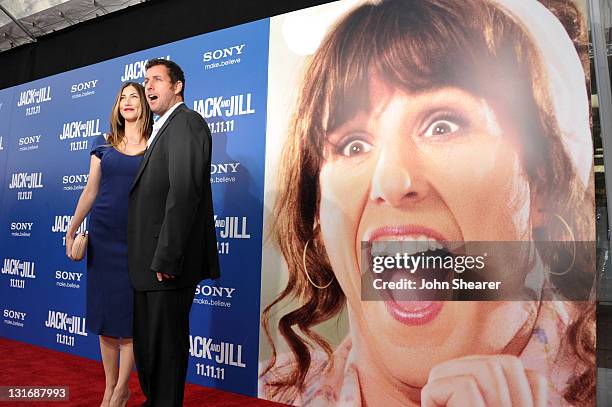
[{"x": 401, "y": 132}]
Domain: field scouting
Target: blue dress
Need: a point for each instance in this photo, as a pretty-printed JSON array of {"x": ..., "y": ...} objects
[{"x": 109, "y": 290}]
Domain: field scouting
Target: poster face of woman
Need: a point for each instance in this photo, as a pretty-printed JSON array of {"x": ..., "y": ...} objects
[{"x": 426, "y": 122}]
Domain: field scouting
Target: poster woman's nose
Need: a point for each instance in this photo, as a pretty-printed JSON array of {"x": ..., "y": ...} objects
[{"x": 397, "y": 179}]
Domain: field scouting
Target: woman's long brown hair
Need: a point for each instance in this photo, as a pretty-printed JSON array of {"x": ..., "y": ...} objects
[{"x": 415, "y": 46}]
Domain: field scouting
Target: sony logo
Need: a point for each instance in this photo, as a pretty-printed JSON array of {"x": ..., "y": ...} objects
[
  {"x": 22, "y": 226},
  {"x": 9, "y": 313},
  {"x": 83, "y": 86},
  {"x": 222, "y": 53},
  {"x": 224, "y": 168},
  {"x": 213, "y": 291},
  {"x": 68, "y": 275},
  {"x": 75, "y": 179},
  {"x": 29, "y": 140}
]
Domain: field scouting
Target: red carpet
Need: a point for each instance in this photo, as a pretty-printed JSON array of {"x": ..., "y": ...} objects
[{"x": 27, "y": 365}]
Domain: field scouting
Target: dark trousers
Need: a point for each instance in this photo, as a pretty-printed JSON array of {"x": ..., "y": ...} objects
[{"x": 161, "y": 344}]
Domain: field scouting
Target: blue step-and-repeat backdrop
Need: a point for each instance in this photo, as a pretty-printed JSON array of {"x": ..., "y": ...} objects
[{"x": 46, "y": 132}]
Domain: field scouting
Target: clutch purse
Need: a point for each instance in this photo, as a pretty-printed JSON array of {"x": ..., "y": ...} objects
[{"x": 79, "y": 247}]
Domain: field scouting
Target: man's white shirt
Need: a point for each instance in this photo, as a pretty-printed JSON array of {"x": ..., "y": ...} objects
[{"x": 160, "y": 122}]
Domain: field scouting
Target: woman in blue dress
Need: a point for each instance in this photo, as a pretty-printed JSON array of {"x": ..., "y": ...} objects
[{"x": 115, "y": 159}]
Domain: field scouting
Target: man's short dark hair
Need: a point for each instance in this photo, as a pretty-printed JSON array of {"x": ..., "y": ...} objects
[{"x": 174, "y": 71}]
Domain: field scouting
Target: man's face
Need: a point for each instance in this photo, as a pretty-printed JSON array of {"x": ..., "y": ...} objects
[{"x": 161, "y": 93}]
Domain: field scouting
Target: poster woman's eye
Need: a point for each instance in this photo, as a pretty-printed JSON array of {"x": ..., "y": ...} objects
[
  {"x": 356, "y": 147},
  {"x": 441, "y": 128}
]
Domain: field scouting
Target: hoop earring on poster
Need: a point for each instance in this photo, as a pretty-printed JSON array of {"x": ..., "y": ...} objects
[
  {"x": 320, "y": 287},
  {"x": 569, "y": 229}
]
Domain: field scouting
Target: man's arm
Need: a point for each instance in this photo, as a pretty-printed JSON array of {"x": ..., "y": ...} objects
[{"x": 188, "y": 151}]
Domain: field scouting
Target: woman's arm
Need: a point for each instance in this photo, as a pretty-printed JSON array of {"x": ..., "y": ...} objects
[{"x": 88, "y": 196}]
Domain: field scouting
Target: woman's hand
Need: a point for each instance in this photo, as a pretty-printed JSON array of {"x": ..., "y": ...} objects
[
  {"x": 484, "y": 381},
  {"x": 69, "y": 242}
]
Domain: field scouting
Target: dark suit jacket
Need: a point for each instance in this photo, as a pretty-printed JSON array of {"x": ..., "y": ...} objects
[{"x": 170, "y": 220}]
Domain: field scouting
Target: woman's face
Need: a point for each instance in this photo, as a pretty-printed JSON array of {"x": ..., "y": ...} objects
[
  {"x": 129, "y": 104},
  {"x": 437, "y": 165}
]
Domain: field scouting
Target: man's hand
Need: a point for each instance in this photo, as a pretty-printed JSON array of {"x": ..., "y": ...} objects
[{"x": 164, "y": 276}]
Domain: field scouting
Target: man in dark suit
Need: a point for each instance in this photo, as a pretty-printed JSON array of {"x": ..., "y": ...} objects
[{"x": 171, "y": 235}]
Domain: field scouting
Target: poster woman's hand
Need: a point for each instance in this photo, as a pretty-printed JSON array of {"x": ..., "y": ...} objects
[{"x": 484, "y": 381}]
